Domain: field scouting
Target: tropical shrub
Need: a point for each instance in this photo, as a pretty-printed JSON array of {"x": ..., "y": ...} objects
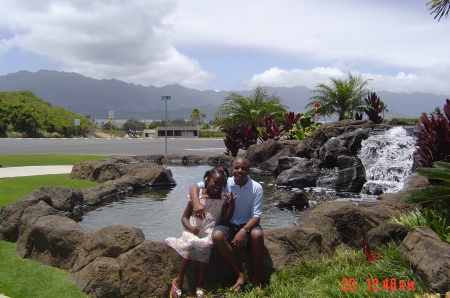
[
  {"x": 237, "y": 110},
  {"x": 374, "y": 107},
  {"x": 270, "y": 129},
  {"x": 305, "y": 127},
  {"x": 433, "y": 219},
  {"x": 342, "y": 96},
  {"x": 433, "y": 142},
  {"x": 435, "y": 196},
  {"x": 239, "y": 137}
]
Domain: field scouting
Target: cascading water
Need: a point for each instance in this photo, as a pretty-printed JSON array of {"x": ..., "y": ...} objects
[{"x": 388, "y": 159}]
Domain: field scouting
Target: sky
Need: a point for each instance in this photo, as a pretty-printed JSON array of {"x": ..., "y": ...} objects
[{"x": 230, "y": 44}]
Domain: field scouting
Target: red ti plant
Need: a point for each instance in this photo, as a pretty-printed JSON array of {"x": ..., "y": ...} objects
[
  {"x": 433, "y": 143},
  {"x": 291, "y": 119},
  {"x": 239, "y": 137},
  {"x": 270, "y": 129},
  {"x": 374, "y": 107},
  {"x": 370, "y": 257}
]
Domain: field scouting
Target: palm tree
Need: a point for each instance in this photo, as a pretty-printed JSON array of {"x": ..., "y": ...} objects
[
  {"x": 197, "y": 117},
  {"x": 440, "y": 8},
  {"x": 237, "y": 110},
  {"x": 343, "y": 96}
]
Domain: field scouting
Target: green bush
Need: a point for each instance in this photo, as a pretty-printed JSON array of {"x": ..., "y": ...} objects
[
  {"x": 211, "y": 134},
  {"x": 435, "y": 220}
]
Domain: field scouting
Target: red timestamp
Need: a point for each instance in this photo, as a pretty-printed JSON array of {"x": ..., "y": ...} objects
[{"x": 375, "y": 284}]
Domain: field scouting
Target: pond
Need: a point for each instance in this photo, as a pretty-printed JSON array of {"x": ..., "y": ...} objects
[{"x": 158, "y": 212}]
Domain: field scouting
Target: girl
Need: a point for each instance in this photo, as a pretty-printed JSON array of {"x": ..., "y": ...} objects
[{"x": 195, "y": 243}]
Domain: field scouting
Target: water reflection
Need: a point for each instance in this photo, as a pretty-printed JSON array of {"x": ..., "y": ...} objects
[{"x": 158, "y": 212}]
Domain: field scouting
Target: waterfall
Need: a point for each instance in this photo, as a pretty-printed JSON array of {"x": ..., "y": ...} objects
[{"x": 388, "y": 160}]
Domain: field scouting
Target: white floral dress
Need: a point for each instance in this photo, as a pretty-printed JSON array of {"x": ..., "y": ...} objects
[{"x": 198, "y": 247}]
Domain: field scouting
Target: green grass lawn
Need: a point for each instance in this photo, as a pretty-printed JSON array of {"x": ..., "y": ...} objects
[
  {"x": 326, "y": 278},
  {"x": 45, "y": 159},
  {"x": 26, "y": 278}
]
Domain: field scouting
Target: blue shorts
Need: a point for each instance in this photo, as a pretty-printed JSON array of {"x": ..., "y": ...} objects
[{"x": 230, "y": 230}]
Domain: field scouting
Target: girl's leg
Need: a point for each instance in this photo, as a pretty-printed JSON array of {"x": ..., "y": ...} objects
[
  {"x": 201, "y": 274},
  {"x": 184, "y": 265}
]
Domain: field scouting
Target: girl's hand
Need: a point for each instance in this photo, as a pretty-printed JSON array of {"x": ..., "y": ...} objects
[
  {"x": 230, "y": 198},
  {"x": 194, "y": 230},
  {"x": 199, "y": 211}
]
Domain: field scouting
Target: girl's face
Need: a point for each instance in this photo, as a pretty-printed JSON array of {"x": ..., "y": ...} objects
[{"x": 215, "y": 183}]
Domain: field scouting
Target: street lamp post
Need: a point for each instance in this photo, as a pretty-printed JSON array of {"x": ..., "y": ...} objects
[{"x": 166, "y": 98}]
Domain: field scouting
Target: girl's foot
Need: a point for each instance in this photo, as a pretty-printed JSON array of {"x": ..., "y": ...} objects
[
  {"x": 200, "y": 293},
  {"x": 175, "y": 290}
]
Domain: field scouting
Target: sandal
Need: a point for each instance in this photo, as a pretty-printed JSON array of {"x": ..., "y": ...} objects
[
  {"x": 237, "y": 287},
  {"x": 200, "y": 293},
  {"x": 174, "y": 292}
]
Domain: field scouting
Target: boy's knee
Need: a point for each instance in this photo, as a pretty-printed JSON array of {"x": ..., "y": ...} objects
[{"x": 217, "y": 236}]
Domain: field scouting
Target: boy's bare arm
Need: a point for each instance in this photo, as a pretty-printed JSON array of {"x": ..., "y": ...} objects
[{"x": 199, "y": 209}]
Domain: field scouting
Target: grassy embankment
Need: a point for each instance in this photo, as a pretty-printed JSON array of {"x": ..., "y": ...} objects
[{"x": 326, "y": 278}]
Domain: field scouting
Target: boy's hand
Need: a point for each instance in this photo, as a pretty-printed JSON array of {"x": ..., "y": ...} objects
[{"x": 199, "y": 211}]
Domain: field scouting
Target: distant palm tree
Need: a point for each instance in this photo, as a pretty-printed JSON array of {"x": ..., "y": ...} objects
[
  {"x": 237, "y": 110},
  {"x": 440, "y": 8},
  {"x": 197, "y": 117},
  {"x": 343, "y": 96}
]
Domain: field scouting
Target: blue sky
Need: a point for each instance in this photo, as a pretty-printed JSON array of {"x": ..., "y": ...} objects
[{"x": 230, "y": 44}]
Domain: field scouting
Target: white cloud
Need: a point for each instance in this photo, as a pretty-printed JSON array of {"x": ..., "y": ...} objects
[
  {"x": 161, "y": 42},
  {"x": 401, "y": 82},
  {"x": 127, "y": 40}
]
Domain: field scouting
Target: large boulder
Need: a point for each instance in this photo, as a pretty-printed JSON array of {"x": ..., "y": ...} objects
[
  {"x": 53, "y": 240},
  {"x": 100, "y": 278},
  {"x": 351, "y": 175},
  {"x": 429, "y": 257},
  {"x": 270, "y": 150},
  {"x": 298, "y": 172},
  {"x": 109, "y": 242},
  {"x": 310, "y": 146},
  {"x": 387, "y": 232},
  {"x": 117, "y": 167}
]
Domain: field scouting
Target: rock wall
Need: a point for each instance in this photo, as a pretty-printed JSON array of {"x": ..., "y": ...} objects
[{"x": 117, "y": 261}]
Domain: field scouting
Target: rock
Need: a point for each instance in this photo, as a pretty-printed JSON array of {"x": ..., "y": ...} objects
[
  {"x": 297, "y": 179},
  {"x": 63, "y": 198},
  {"x": 287, "y": 246},
  {"x": 310, "y": 146},
  {"x": 110, "y": 242},
  {"x": 12, "y": 213},
  {"x": 330, "y": 151},
  {"x": 264, "y": 157},
  {"x": 100, "y": 278},
  {"x": 351, "y": 175},
  {"x": 297, "y": 201},
  {"x": 429, "y": 257},
  {"x": 298, "y": 172},
  {"x": 385, "y": 233},
  {"x": 26, "y": 225},
  {"x": 114, "y": 168},
  {"x": 53, "y": 240},
  {"x": 147, "y": 270}
]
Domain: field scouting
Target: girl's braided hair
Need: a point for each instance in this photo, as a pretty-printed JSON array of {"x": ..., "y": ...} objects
[{"x": 220, "y": 170}]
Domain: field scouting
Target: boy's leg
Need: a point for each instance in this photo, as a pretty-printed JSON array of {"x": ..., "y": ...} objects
[
  {"x": 257, "y": 249},
  {"x": 222, "y": 244}
]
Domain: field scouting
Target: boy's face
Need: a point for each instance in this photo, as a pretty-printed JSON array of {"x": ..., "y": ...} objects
[{"x": 240, "y": 171}]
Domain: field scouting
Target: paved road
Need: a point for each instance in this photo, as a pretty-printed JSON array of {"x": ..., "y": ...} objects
[{"x": 196, "y": 146}]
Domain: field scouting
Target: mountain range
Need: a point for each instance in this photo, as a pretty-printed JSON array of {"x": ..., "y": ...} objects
[{"x": 93, "y": 97}]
